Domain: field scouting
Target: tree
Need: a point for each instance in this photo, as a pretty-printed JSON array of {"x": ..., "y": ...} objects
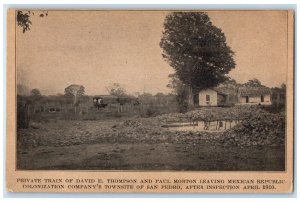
[
  {"x": 180, "y": 90},
  {"x": 116, "y": 89},
  {"x": 74, "y": 91},
  {"x": 197, "y": 50},
  {"x": 35, "y": 94},
  {"x": 253, "y": 83},
  {"x": 23, "y": 19},
  {"x": 278, "y": 97},
  {"x": 230, "y": 81},
  {"x": 84, "y": 99},
  {"x": 35, "y": 97},
  {"x": 22, "y": 90}
]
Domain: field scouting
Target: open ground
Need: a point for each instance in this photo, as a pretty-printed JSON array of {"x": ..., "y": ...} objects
[{"x": 120, "y": 142}]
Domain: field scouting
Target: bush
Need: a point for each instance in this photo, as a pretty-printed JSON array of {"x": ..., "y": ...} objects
[
  {"x": 151, "y": 112},
  {"x": 183, "y": 107},
  {"x": 259, "y": 129},
  {"x": 274, "y": 108}
]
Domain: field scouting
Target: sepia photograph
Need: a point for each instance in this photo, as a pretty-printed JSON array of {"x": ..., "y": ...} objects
[
  {"x": 150, "y": 101},
  {"x": 151, "y": 90}
]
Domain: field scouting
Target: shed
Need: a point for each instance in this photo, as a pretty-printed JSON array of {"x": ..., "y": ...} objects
[{"x": 213, "y": 97}]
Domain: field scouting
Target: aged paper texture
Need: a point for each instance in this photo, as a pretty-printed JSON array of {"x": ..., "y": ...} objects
[{"x": 150, "y": 101}]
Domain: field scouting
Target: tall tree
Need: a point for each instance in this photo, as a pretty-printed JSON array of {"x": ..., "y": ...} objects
[
  {"x": 196, "y": 49},
  {"x": 75, "y": 91},
  {"x": 180, "y": 90}
]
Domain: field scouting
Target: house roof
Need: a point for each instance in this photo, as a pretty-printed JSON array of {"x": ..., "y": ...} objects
[
  {"x": 254, "y": 91},
  {"x": 221, "y": 90}
]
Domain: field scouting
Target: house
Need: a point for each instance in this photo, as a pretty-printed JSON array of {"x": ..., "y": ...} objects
[
  {"x": 254, "y": 95},
  {"x": 213, "y": 97},
  {"x": 226, "y": 96}
]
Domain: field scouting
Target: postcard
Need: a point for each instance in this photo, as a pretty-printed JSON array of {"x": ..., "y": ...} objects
[{"x": 142, "y": 101}]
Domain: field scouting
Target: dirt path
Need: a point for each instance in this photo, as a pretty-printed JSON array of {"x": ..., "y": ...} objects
[{"x": 159, "y": 156}]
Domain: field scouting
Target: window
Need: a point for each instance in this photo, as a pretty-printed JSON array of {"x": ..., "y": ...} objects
[
  {"x": 207, "y": 99},
  {"x": 262, "y": 99}
]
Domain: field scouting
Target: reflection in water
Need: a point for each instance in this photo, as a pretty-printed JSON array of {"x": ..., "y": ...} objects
[{"x": 209, "y": 126}]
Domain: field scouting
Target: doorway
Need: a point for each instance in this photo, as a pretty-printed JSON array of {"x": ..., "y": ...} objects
[{"x": 247, "y": 99}]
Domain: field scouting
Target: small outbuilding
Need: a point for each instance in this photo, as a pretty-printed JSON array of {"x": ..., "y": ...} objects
[{"x": 213, "y": 97}]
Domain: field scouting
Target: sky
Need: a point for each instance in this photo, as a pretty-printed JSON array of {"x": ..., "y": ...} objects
[{"x": 98, "y": 48}]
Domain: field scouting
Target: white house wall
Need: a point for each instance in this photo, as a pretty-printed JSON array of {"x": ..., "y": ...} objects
[
  {"x": 256, "y": 100},
  {"x": 213, "y": 98},
  {"x": 268, "y": 99}
]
